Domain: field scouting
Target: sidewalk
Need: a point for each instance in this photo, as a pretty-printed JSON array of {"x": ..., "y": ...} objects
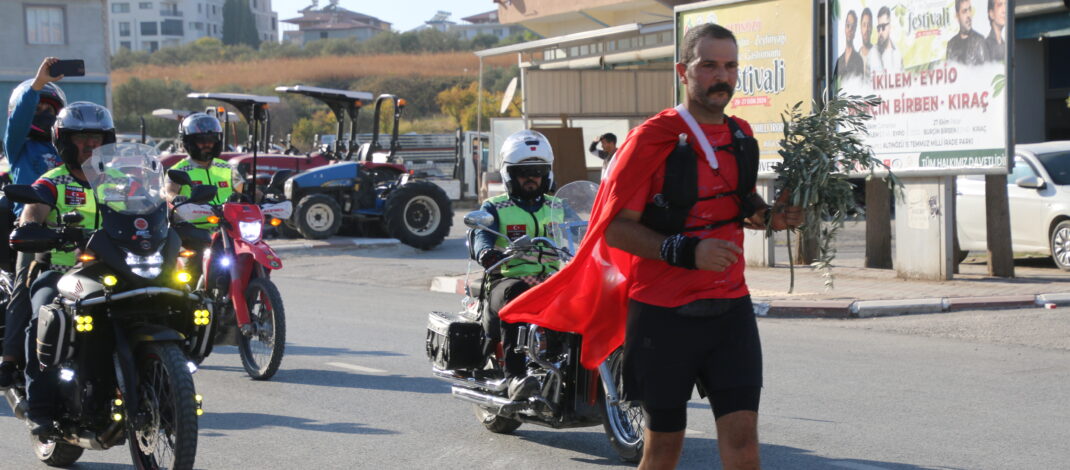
[{"x": 860, "y": 292}]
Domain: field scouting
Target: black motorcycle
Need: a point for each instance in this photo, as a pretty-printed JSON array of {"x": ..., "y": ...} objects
[
  {"x": 118, "y": 328},
  {"x": 569, "y": 395}
]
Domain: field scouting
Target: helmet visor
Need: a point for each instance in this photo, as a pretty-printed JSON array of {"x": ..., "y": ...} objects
[{"x": 529, "y": 171}]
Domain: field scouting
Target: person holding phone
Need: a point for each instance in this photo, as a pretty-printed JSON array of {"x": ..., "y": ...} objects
[{"x": 31, "y": 113}]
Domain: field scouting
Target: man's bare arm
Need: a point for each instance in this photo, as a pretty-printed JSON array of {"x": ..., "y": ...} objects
[
  {"x": 626, "y": 233},
  {"x": 35, "y": 213}
]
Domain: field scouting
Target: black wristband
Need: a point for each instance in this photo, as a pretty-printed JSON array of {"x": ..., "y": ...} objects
[{"x": 679, "y": 250}]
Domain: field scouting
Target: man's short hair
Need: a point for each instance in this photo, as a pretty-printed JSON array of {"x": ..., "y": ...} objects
[
  {"x": 708, "y": 30},
  {"x": 958, "y": 4},
  {"x": 850, "y": 14},
  {"x": 884, "y": 11},
  {"x": 867, "y": 12},
  {"x": 608, "y": 137},
  {"x": 991, "y": 5}
]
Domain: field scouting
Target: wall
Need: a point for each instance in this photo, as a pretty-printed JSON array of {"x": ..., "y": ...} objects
[
  {"x": 597, "y": 92},
  {"x": 1029, "y": 90}
]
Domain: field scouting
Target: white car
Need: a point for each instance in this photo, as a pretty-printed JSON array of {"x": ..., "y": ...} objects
[{"x": 1038, "y": 194}]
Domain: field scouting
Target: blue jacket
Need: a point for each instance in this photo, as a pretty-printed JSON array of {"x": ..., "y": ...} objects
[{"x": 29, "y": 159}]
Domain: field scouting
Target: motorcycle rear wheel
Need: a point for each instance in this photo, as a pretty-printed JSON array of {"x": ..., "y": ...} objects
[
  {"x": 56, "y": 454},
  {"x": 496, "y": 424},
  {"x": 162, "y": 433},
  {"x": 623, "y": 422},
  {"x": 262, "y": 353}
]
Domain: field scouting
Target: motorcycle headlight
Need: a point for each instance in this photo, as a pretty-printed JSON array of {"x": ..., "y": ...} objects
[
  {"x": 250, "y": 231},
  {"x": 147, "y": 267}
]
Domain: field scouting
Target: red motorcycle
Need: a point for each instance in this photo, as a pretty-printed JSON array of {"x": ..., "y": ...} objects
[{"x": 235, "y": 277}]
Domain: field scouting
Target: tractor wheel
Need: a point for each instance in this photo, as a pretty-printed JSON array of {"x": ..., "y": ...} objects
[
  {"x": 318, "y": 216},
  {"x": 419, "y": 214}
]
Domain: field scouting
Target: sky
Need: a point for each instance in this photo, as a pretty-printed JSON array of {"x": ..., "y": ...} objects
[{"x": 402, "y": 14}]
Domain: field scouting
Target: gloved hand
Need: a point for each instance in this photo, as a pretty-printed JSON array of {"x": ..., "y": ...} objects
[{"x": 489, "y": 257}]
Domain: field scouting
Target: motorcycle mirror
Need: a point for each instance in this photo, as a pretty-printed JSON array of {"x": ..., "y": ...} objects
[
  {"x": 279, "y": 179},
  {"x": 34, "y": 238},
  {"x": 72, "y": 218},
  {"x": 179, "y": 177},
  {"x": 202, "y": 193},
  {"x": 478, "y": 219},
  {"x": 25, "y": 194}
]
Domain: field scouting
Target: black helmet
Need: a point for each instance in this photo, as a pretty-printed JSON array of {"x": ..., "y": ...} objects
[
  {"x": 80, "y": 117},
  {"x": 52, "y": 94},
  {"x": 200, "y": 127}
]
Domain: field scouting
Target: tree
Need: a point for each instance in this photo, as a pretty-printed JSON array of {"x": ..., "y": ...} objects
[
  {"x": 321, "y": 123},
  {"x": 137, "y": 98},
  {"x": 239, "y": 24},
  {"x": 461, "y": 105}
]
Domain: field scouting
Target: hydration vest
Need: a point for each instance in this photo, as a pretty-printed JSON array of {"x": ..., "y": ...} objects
[{"x": 667, "y": 213}]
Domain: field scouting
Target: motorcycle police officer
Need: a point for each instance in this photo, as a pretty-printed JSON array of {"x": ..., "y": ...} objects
[
  {"x": 32, "y": 111},
  {"x": 525, "y": 209},
  {"x": 202, "y": 138},
  {"x": 80, "y": 128}
]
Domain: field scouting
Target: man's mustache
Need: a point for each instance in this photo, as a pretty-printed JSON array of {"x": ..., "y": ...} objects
[{"x": 725, "y": 87}]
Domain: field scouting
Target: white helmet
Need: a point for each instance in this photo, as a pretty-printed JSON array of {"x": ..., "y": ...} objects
[{"x": 523, "y": 152}]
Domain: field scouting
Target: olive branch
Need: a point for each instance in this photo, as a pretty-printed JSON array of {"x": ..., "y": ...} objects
[{"x": 820, "y": 150}]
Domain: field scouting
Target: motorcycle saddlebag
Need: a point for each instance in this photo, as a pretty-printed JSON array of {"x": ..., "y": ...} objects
[
  {"x": 453, "y": 341},
  {"x": 55, "y": 335}
]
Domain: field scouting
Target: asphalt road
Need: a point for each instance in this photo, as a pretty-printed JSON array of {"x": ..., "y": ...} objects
[{"x": 968, "y": 390}]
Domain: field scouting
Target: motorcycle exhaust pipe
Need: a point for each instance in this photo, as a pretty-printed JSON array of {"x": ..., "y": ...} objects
[
  {"x": 491, "y": 403},
  {"x": 470, "y": 382},
  {"x": 17, "y": 402}
]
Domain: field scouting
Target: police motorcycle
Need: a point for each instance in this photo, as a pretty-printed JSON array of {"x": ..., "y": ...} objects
[
  {"x": 118, "y": 327},
  {"x": 569, "y": 395},
  {"x": 236, "y": 275}
]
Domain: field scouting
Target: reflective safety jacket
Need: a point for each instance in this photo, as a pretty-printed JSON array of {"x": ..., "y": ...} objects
[
  {"x": 71, "y": 195},
  {"x": 514, "y": 222},
  {"x": 217, "y": 174}
]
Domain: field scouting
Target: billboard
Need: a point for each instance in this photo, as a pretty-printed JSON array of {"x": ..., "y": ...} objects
[
  {"x": 776, "y": 60},
  {"x": 940, "y": 67}
]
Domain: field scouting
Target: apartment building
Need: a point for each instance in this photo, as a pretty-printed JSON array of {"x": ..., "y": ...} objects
[
  {"x": 148, "y": 25},
  {"x": 68, "y": 29}
]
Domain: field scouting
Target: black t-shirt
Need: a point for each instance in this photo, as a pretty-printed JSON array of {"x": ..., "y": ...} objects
[{"x": 969, "y": 50}]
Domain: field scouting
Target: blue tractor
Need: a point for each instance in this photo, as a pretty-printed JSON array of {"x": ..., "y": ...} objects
[{"x": 366, "y": 186}]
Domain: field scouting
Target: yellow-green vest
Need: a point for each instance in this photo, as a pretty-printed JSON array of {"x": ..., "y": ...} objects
[
  {"x": 71, "y": 195},
  {"x": 217, "y": 174},
  {"x": 514, "y": 222}
]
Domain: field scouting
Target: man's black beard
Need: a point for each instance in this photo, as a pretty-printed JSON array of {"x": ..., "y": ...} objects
[
  {"x": 529, "y": 194},
  {"x": 881, "y": 46}
]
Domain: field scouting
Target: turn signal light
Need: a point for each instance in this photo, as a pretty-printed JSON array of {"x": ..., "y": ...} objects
[
  {"x": 201, "y": 317},
  {"x": 213, "y": 219},
  {"x": 221, "y": 110},
  {"x": 275, "y": 222},
  {"x": 110, "y": 280},
  {"x": 402, "y": 103},
  {"x": 187, "y": 253},
  {"x": 86, "y": 257}
]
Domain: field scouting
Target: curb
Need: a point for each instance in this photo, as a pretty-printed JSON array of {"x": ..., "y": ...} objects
[
  {"x": 855, "y": 308},
  {"x": 336, "y": 242}
]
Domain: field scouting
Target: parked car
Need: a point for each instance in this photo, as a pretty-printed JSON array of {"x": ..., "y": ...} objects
[{"x": 1038, "y": 194}]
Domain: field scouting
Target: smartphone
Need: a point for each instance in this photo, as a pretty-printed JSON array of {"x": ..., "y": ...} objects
[{"x": 68, "y": 68}]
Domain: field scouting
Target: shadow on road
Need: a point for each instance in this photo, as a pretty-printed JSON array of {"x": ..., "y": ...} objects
[
  {"x": 340, "y": 379},
  {"x": 246, "y": 421},
  {"x": 300, "y": 350},
  {"x": 700, "y": 452}
]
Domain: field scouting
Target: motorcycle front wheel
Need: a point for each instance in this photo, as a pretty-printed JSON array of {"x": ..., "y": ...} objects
[
  {"x": 261, "y": 352},
  {"x": 623, "y": 421},
  {"x": 162, "y": 432}
]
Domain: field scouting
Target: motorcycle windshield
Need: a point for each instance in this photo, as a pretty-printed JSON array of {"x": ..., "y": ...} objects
[
  {"x": 126, "y": 178},
  {"x": 577, "y": 200}
]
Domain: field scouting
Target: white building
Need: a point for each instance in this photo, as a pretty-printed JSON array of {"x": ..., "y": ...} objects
[{"x": 148, "y": 25}]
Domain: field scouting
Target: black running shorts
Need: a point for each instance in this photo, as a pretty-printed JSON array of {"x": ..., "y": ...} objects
[{"x": 666, "y": 350}]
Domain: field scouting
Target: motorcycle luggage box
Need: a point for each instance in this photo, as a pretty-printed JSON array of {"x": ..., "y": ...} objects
[
  {"x": 55, "y": 335},
  {"x": 453, "y": 341}
]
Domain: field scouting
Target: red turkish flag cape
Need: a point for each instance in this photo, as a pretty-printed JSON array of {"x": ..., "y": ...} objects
[{"x": 589, "y": 296}]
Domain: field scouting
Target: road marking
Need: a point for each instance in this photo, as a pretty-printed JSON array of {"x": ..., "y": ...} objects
[
  {"x": 357, "y": 368},
  {"x": 857, "y": 466}
]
